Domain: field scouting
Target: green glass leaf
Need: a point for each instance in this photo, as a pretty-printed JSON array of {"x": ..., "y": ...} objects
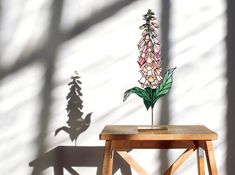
[
  {"x": 138, "y": 91},
  {"x": 147, "y": 104},
  {"x": 165, "y": 85},
  {"x": 150, "y": 92},
  {"x": 149, "y": 95}
]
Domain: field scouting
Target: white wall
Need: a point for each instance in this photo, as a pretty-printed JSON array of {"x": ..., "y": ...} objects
[{"x": 105, "y": 55}]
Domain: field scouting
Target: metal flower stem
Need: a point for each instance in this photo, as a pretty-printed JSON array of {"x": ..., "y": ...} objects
[{"x": 152, "y": 116}]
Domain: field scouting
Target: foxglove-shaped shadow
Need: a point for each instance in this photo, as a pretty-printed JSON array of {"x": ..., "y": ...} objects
[
  {"x": 76, "y": 124},
  {"x": 67, "y": 157}
]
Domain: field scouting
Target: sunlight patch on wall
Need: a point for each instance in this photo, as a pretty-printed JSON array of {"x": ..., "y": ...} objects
[
  {"x": 20, "y": 105},
  {"x": 198, "y": 50},
  {"x": 23, "y": 28}
]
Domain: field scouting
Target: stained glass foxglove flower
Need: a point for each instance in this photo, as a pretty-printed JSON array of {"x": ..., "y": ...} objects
[{"x": 153, "y": 84}]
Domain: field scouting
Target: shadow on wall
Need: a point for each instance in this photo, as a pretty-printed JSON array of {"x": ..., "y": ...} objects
[
  {"x": 64, "y": 157},
  {"x": 47, "y": 56},
  {"x": 76, "y": 124},
  {"x": 49, "y": 50},
  {"x": 164, "y": 109},
  {"x": 230, "y": 116},
  {"x": 67, "y": 157}
]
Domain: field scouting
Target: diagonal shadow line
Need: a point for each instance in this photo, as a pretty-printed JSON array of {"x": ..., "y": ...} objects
[
  {"x": 39, "y": 53},
  {"x": 97, "y": 17},
  {"x": 22, "y": 62},
  {"x": 201, "y": 27},
  {"x": 71, "y": 170}
]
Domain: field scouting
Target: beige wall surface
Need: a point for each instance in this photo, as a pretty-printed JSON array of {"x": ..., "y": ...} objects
[{"x": 43, "y": 42}]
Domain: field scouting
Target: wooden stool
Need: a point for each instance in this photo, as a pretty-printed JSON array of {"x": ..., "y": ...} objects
[{"x": 190, "y": 137}]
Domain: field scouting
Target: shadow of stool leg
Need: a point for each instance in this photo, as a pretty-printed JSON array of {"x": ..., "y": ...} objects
[
  {"x": 120, "y": 163},
  {"x": 71, "y": 170},
  {"x": 58, "y": 170}
]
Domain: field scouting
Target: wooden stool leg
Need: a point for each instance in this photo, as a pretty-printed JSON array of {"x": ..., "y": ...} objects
[
  {"x": 200, "y": 161},
  {"x": 108, "y": 159},
  {"x": 210, "y": 158},
  {"x": 132, "y": 162},
  {"x": 179, "y": 161}
]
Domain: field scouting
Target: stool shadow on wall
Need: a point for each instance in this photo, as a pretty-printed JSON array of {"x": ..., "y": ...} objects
[{"x": 67, "y": 157}]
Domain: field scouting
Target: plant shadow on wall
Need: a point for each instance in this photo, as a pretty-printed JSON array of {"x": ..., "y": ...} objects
[
  {"x": 76, "y": 124},
  {"x": 67, "y": 157}
]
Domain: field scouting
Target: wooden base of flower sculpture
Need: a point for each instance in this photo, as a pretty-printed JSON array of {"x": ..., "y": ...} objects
[{"x": 151, "y": 128}]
